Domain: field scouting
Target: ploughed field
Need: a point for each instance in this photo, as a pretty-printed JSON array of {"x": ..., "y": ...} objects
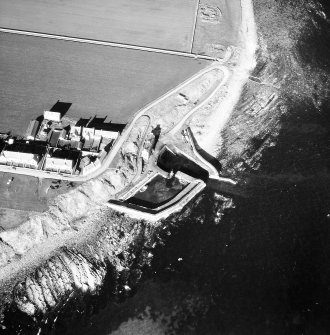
[
  {"x": 97, "y": 80},
  {"x": 160, "y": 24}
]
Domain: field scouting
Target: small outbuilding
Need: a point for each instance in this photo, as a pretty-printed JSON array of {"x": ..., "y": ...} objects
[
  {"x": 32, "y": 130},
  {"x": 52, "y": 116}
]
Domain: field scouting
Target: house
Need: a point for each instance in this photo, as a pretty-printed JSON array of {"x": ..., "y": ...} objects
[
  {"x": 56, "y": 164},
  {"x": 22, "y": 159}
]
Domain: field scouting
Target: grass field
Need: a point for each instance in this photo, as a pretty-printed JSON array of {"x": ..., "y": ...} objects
[
  {"x": 36, "y": 72},
  {"x": 155, "y": 23},
  {"x": 21, "y": 195}
]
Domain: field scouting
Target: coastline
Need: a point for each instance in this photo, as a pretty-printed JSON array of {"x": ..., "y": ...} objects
[
  {"x": 209, "y": 138},
  {"x": 219, "y": 117}
]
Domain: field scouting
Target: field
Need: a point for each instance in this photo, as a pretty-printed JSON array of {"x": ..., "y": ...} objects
[
  {"x": 160, "y": 24},
  {"x": 22, "y": 195},
  {"x": 218, "y": 24},
  {"x": 107, "y": 81}
]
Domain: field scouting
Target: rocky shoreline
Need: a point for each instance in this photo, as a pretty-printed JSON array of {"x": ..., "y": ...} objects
[{"x": 83, "y": 246}]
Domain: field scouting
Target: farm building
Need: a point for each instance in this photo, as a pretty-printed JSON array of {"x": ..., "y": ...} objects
[
  {"x": 52, "y": 116},
  {"x": 22, "y": 159},
  {"x": 32, "y": 130},
  {"x": 55, "y": 164}
]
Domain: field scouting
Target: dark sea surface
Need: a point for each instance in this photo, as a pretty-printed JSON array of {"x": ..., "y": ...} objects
[{"x": 264, "y": 268}]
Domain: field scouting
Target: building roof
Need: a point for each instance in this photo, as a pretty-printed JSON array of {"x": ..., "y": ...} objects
[
  {"x": 59, "y": 164},
  {"x": 52, "y": 116},
  {"x": 88, "y": 132},
  {"x": 76, "y": 145},
  {"x": 32, "y": 129},
  {"x": 20, "y": 157},
  {"x": 107, "y": 133},
  {"x": 54, "y": 137},
  {"x": 96, "y": 143},
  {"x": 88, "y": 144},
  {"x": 75, "y": 131}
]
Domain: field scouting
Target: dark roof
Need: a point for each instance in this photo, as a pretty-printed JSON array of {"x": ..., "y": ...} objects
[
  {"x": 54, "y": 138},
  {"x": 32, "y": 128},
  {"x": 32, "y": 147}
]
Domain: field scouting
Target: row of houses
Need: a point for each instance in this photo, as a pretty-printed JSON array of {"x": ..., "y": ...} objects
[
  {"x": 22, "y": 159},
  {"x": 52, "y": 146},
  {"x": 19, "y": 154}
]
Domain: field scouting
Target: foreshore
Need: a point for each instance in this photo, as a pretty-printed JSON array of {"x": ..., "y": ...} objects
[{"x": 213, "y": 124}]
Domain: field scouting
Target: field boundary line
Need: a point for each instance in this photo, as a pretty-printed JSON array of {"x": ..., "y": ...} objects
[
  {"x": 105, "y": 43},
  {"x": 194, "y": 26}
]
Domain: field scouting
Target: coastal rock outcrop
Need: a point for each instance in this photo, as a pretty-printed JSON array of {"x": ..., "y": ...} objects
[{"x": 56, "y": 280}]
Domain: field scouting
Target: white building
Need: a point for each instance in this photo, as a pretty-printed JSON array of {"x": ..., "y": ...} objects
[
  {"x": 88, "y": 132},
  {"x": 59, "y": 164},
  {"x": 107, "y": 134},
  {"x": 22, "y": 159},
  {"x": 52, "y": 116},
  {"x": 75, "y": 132}
]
